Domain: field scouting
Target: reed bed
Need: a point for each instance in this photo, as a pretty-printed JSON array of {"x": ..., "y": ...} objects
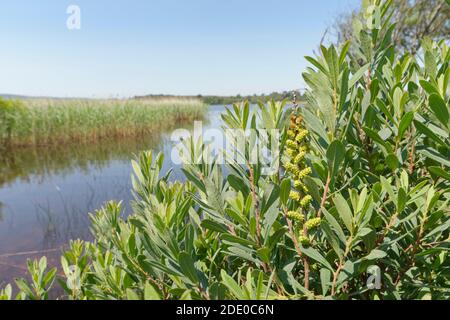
[{"x": 39, "y": 122}]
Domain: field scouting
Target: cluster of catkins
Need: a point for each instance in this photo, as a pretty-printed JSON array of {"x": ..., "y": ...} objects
[{"x": 297, "y": 168}]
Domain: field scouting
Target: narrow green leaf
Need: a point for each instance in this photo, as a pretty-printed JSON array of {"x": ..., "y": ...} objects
[
  {"x": 434, "y": 155},
  {"x": 335, "y": 156},
  {"x": 439, "y": 108},
  {"x": 375, "y": 255},
  {"x": 284, "y": 191},
  {"x": 325, "y": 279},
  {"x": 187, "y": 266},
  {"x": 344, "y": 211},
  {"x": 422, "y": 128},
  {"x": 150, "y": 294},
  {"x": 315, "y": 255},
  {"x": 214, "y": 226},
  {"x": 404, "y": 124},
  {"x": 335, "y": 225},
  {"x": 440, "y": 172},
  {"x": 232, "y": 285},
  {"x": 131, "y": 295},
  {"x": 357, "y": 76}
]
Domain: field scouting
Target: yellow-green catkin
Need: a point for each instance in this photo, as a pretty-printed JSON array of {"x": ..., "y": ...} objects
[
  {"x": 296, "y": 166},
  {"x": 296, "y": 216},
  {"x": 304, "y": 240},
  {"x": 295, "y": 196},
  {"x": 306, "y": 201},
  {"x": 313, "y": 223}
]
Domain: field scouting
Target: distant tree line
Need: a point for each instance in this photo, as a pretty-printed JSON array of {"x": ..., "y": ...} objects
[{"x": 226, "y": 100}]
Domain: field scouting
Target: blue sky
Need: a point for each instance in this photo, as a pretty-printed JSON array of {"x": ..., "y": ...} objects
[{"x": 134, "y": 47}]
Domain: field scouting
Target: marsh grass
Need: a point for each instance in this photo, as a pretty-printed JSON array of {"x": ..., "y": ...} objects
[{"x": 41, "y": 122}]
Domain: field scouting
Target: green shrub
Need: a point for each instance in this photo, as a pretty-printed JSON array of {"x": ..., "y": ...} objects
[{"x": 364, "y": 192}]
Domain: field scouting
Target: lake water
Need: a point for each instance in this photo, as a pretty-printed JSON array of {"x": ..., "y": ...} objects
[{"x": 47, "y": 193}]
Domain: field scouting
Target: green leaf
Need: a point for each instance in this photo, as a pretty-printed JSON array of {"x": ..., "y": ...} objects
[
  {"x": 150, "y": 293},
  {"x": 236, "y": 240},
  {"x": 399, "y": 101},
  {"x": 131, "y": 295},
  {"x": 325, "y": 279},
  {"x": 422, "y": 128},
  {"x": 439, "y": 108},
  {"x": 332, "y": 239},
  {"x": 333, "y": 66},
  {"x": 401, "y": 200},
  {"x": 439, "y": 229},
  {"x": 404, "y": 124},
  {"x": 214, "y": 226},
  {"x": 388, "y": 188},
  {"x": 344, "y": 51},
  {"x": 358, "y": 74},
  {"x": 188, "y": 267},
  {"x": 232, "y": 285},
  {"x": 376, "y": 137},
  {"x": 335, "y": 225},
  {"x": 440, "y": 172},
  {"x": 430, "y": 64},
  {"x": 317, "y": 64},
  {"x": 285, "y": 189},
  {"x": 49, "y": 277},
  {"x": 344, "y": 89},
  {"x": 23, "y": 286},
  {"x": 315, "y": 255},
  {"x": 375, "y": 255},
  {"x": 335, "y": 156},
  {"x": 392, "y": 162},
  {"x": 264, "y": 254},
  {"x": 238, "y": 184},
  {"x": 244, "y": 253},
  {"x": 428, "y": 87},
  {"x": 434, "y": 155},
  {"x": 344, "y": 211}
]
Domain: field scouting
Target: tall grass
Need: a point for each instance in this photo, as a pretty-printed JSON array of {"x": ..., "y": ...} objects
[{"x": 43, "y": 122}]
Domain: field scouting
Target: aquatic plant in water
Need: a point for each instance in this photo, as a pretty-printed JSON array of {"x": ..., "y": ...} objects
[{"x": 40, "y": 122}]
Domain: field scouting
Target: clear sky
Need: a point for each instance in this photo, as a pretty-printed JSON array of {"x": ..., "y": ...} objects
[{"x": 135, "y": 47}]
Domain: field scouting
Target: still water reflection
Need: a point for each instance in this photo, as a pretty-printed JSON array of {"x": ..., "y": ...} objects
[{"x": 45, "y": 194}]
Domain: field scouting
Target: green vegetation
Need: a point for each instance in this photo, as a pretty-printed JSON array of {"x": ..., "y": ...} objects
[
  {"x": 228, "y": 100},
  {"x": 364, "y": 193},
  {"x": 43, "y": 122},
  {"x": 253, "y": 99},
  {"x": 415, "y": 20}
]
